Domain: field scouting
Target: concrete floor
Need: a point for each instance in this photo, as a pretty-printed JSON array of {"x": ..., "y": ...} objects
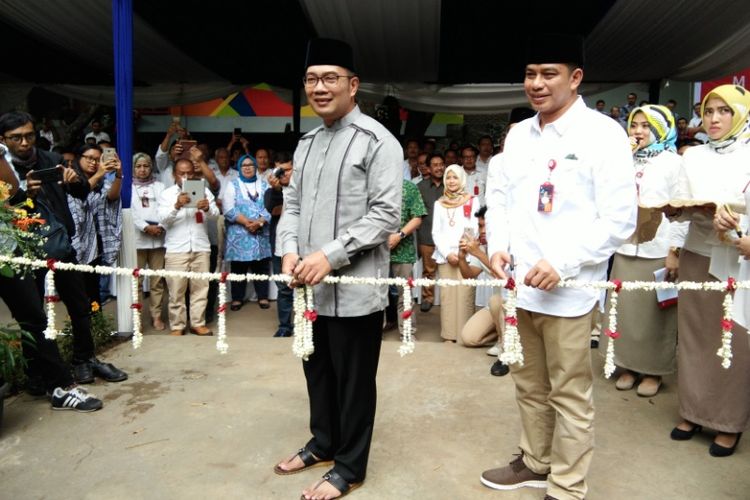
[{"x": 190, "y": 423}]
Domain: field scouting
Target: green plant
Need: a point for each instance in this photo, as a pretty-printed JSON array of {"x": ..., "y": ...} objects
[
  {"x": 102, "y": 327},
  {"x": 12, "y": 361}
]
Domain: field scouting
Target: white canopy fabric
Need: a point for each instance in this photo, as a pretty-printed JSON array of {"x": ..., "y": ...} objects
[{"x": 397, "y": 46}]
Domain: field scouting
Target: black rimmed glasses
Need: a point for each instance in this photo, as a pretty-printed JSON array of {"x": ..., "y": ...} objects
[
  {"x": 17, "y": 138},
  {"x": 92, "y": 159},
  {"x": 329, "y": 79}
]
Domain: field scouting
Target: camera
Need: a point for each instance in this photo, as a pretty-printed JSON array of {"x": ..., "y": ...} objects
[{"x": 278, "y": 172}]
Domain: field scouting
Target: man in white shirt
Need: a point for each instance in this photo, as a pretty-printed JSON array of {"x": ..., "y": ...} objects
[
  {"x": 188, "y": 249},
  {"x": 561, "y": 200},
  {"x": 695, "y": 126},
  {"x": 97, "y": 135},
  {"x": 225, "y": 173},
  {"x": 485, "y": 153},
  {"x": 423, "y": 168},
  {"x": 411, "y": 151},
  {"x": 476, "y": 179}
]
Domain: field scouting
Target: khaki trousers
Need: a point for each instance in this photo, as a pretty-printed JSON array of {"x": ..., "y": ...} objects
[
  {"x": 403, "y": 271},
  {"x": 189, "y": 261},
  {"x": 555, "y": 399},
  {"x": 154, "y": 258},
  {"x": 485, "y": 327},
  {"x": 456, "y": 303},
  {"x": 429, "y": 266}
]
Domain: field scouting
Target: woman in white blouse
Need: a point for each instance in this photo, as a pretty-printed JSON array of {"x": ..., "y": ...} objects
[
  {"x": 149, "y": 234},
  {"x": 716, "y": 172},
  {"x": 648, "y": 343},
  {"x": 453, "y": 215}
]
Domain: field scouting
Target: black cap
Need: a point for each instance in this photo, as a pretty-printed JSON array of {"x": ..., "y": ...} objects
[
  {"x": 520, "y": 114},
  {"x": 327, "y": 51},
  {"x": 555, "y": 48}
]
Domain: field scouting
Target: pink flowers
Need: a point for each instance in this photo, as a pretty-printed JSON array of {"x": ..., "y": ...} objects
[{"x": 311, "y": 314}]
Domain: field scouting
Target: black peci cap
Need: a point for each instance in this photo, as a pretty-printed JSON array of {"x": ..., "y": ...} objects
[
  {"x": 555, "y": 48},
  {"x": 327, "y": 51}
]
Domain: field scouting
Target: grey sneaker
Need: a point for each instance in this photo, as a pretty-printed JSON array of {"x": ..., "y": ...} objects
[{"x": 513, "y": 476}]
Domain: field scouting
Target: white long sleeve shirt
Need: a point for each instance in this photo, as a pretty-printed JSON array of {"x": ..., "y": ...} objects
[
  {"x": 657, "y": 183},
  {"x": 709, "y": 176},
  {"x": 144, "y": 205},
  {"x": 184, "y": 233},
  {"x": 594, "y": 207}
]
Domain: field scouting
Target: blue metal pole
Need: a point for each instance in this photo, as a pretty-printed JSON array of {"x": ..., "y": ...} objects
[{"x": 122, "y": 34}]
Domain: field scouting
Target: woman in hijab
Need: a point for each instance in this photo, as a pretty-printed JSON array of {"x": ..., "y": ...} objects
[
  {"x": 453, "y": 217},
  {"x": 649, "y": 329},
  {"x": 149, "y": 234},
  {"x": 248, "y": 244},
  {"x": 717, "y": 173}
]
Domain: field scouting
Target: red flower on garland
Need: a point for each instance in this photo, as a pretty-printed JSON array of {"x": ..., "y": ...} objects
[
  {"x": 136, "y": 272},
  {"x": 406, "y": 314},
  {"x": 51, "y": 298},
  {"x": 410, "y": 282},
  {"x": 731, "y": 284},
  {"x": 223, "y": 278},
  {"x": 613, "y": 334},
  {"x": 222, "y": 308},
  {"x": 511, "y": 284},
  {"x": 311, "y": 314},
  {"x": 137, "y": 306},
  {"x": 51, "y": 264},
  {"x": 618, "y": 285},
  {"x": 727, "y": 324},
  {"x": 511, "y": 320}
]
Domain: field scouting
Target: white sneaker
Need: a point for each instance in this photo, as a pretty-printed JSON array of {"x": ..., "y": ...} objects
[{"x": 493, "y": 351}]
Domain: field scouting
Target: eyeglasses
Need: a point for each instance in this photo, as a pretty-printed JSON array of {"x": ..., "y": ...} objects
[
  {"x": 92, "y": 159},
  {"x": 329, "y": 79},
  {"x": 17, "y": 138}
]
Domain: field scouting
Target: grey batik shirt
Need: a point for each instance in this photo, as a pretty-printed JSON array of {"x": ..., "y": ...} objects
[{"x": 345, "y": 199}]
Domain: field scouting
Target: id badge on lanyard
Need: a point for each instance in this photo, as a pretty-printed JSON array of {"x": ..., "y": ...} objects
[{"x": 547, "y": 190}]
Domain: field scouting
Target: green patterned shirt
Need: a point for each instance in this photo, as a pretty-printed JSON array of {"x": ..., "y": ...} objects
[{"x": 411, "y": 206}]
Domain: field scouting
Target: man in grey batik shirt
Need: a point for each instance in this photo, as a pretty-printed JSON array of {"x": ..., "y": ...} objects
[{"x": 343, "y": 202}]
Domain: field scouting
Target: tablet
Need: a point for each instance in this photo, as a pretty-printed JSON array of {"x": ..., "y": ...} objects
[{"x": 196, "y": 189}]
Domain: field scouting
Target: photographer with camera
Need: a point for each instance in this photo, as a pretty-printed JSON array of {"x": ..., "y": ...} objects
[
  {"x": 44, "y": 179},
  {"x": 169, "y": 151}
]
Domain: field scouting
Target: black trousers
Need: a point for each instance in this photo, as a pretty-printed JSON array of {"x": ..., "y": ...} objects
[
  {"x": 341, "y": 385},
  {"x": 71, "y": 288},
  {"x": 239, "y": 288},
  {"x": 22, "y": 298}
]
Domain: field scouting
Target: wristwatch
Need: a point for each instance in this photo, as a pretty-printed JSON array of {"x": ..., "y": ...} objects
[{"x": 402, "y": 235}]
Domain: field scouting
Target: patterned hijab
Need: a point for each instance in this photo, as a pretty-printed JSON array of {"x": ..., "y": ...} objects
[
  {"x": 737, "y": 98},
  {"x": 663, "y": 133},
  {"x": 453, "y": 199},
  {"x": 143, "y": 182},
  {"x": 255, "y": 166}
]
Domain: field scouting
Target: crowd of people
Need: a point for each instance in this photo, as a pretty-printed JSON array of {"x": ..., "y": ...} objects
[{"x": 422, "y": 210}]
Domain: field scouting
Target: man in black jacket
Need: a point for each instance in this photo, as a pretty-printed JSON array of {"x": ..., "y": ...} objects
[{"x": 18, "y": 133}]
